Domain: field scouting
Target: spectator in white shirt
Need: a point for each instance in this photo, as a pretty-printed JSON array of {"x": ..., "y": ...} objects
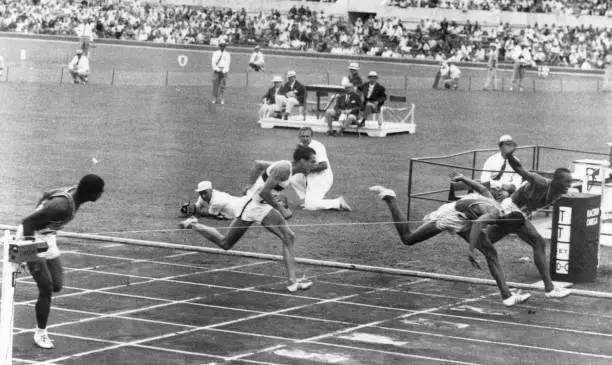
[
  {"x": 86, "y": 35},
  {"x": 79, "y": 68},
  {"x": 497, "y": 175},
  {"x": 491, "y": 68},
  {"x": 522, "y": 60},
  {"x": 452, "y": 77},
  {"x": 257, "y": 60},
  {"x": 220, "y": 66}
]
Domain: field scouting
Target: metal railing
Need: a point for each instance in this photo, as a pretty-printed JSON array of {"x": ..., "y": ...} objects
[
  {"x": 535, "y": 154},
  {"x": 177, "y": 77}
]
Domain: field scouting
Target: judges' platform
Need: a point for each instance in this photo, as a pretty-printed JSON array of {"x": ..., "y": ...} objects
[{"x": 396, "y": 116}]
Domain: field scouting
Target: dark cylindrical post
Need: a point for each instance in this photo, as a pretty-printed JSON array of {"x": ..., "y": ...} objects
[
  {"x": 247, "y": 79},
  {"x": 409, "y": 190},
  {"x": 61, "y": 76},
  {"x": 470, "y": 83},
  {"x": 327, "y": 73},
  {"x": 533, "y": 84},
  {"x": 166, "y": 78},
  {"x": 473, "y": 165},
  {"x": 503, "y": 84},
  {"x": 113, "y": 77}
]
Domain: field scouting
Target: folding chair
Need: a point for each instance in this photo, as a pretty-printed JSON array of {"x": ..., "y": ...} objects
[{"x": 400, "y": 112}]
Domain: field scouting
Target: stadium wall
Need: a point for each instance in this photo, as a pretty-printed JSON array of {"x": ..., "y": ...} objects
[{"x": 237, "y": 49}]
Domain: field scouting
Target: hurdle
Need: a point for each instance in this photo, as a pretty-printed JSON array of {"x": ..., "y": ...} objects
[{"x": 14, "y": 254}]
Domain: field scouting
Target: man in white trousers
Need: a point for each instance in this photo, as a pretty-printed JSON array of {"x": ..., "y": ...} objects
[
  {"x": 221, "y": 66},
  {"x": 311, "y": 188},
  {"x": 257, "y": 62}
]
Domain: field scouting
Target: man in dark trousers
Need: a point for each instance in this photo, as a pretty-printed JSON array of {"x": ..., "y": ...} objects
[
  {"x": 55, "y": 209},
  {"x": 345, "y": 110},
  {"x": 354, "y": 77},
  {"x": 374, "y": 96},
  {"x": 274, "y": 99},
  {"x": 295, "y": 93}
]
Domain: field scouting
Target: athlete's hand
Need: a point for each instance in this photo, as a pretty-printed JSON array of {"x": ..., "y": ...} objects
[
  {"x": 455, "y": 176},
  {"x": 473, "y": 261},
  {"x": 286, "y": 213}
]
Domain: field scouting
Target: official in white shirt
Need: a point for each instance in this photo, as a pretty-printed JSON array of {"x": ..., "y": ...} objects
[
  {"x": 79, "y": 68},
  {"x": 257, "y": 61},
  {"x": 497, "y": 175},
  {"x": 522, "y": 60},
  {"x": 311, "y": 188},
  {"x": 221, "y": 67},
  {"x": 492, "y": 56},
  {"x": 86, "y": 35},
  {"x": 452, "y": 76}
]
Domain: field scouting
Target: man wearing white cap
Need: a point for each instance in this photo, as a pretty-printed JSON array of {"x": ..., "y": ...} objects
[
  {"x": 452, "y": 77},
  {"x": 217, "y": 204},
  {"x": 267, "y": 178},
  {"x": 256, "y": 62},
  {"x": 522, "y": 59},
  {"x": 79, "y": 68},
  {"x": 221, "y": 66},
  {"x": 353, "y": 76},
  {"x": 345, "y": 109},
  {"x": 374, "y": 96},
  {"x": 492, "y": 57},
  {"x": 274, "y": 99},
  {"x": 497, "y": 175},
  {"x": 295, "y": 93}
]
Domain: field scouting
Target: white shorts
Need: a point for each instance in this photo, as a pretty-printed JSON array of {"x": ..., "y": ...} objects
[
  {"x": 447, "y": 218},
  {"x": 50, "y": 238},
  {"x": 254, "y": 211},
  {"x": 508, "y": 206}
]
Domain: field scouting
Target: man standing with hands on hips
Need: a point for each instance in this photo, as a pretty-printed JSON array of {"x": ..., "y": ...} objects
[{"x": 220, "y": 66}]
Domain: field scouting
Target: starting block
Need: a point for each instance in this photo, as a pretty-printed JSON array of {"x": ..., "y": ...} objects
[{"x": 15, "y": 254}]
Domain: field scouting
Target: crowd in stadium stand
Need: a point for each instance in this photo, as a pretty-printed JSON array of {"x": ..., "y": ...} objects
[
  {"x": 561, "y": 7},
  {"x": 302, "y": 29}
]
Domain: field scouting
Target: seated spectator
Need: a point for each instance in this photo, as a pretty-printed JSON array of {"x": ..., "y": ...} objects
[
  {"x": 79, "y": 68},
  {"x": 443, "y": 70},
  {"x": 295, "y": 94},
  {"x": 274, "y": 99},
  {"x": 451, "y": 76},
  {"x": 497, "y": 175},
  {"x": 256, "y": 62},
  {"x": 354, "y": 77},
  {"x": 346, "y": 109},
  {"x": 374, "y": 96}
]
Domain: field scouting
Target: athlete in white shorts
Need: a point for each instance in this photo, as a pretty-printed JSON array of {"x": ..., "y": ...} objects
[
  {"x": 467, "y": 217},
  {"x": 263, "y": 208}
]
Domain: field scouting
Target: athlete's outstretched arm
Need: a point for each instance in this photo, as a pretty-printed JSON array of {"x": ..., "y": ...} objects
[
  {"x": 475, "y": 185},
  {"x": 508, "y": 152},
  {"x": 258, "y": 167}
]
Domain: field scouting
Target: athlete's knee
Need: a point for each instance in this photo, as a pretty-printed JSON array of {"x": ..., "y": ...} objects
[
  {"x": 408, "y": 239},
  {"x": 45, "y": 288},
  {"x": 288, "y": 237}
]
